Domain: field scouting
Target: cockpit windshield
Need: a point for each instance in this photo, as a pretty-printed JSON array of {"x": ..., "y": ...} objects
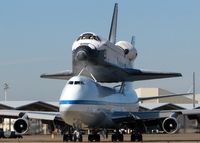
[
  {"x": 88, "y": 36},
  {"x": 76, "y": 82}
]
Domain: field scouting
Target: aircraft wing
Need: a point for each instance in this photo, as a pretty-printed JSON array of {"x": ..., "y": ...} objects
[
  {"x": 128, "y": 117},
  {"x": 58, "y": 75},
  {"x": 22, "y": 123},
  {"x": 163, "y": 96},
  {"x": 41, "y": 115},
  {"x": 168, "y": 118}
]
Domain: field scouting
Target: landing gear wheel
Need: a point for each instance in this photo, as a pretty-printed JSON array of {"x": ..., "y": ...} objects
[
  {"x": 78, "y": 138},
  {"x": 117, "y": 137},
  {"x": 136, "y": 137},
  {"x": 67, "y": 137},
  {"x": 94, "y": 137}
]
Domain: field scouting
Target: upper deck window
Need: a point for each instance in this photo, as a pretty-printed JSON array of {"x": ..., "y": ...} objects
[{"x": 88, "y": 36}]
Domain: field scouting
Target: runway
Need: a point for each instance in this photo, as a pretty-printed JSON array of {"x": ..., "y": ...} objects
[{"x": 148, "y": 138}]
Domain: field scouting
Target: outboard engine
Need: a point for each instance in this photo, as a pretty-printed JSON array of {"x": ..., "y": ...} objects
[
  {"x": 21, "y": 125},
  {"x": 170, "y": 125}
]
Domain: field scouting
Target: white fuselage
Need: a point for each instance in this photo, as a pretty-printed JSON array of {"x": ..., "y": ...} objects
[{"x": 85, "y": 103}]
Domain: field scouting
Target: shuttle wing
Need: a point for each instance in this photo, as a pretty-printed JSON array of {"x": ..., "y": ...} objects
[
  {"x": 111, "y": 73},
  {"x": 136, "y": 74}
]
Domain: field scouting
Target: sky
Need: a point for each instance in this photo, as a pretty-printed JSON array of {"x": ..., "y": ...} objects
[{"x": 36, "y": 37}]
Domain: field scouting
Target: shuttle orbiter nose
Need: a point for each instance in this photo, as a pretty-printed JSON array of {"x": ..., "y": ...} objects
[
  {"x": 81, "y": 55},
  {"x": 84, "y": 53}
]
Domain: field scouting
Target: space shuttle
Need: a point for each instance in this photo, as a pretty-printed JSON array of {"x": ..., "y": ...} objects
[{"x": 106, "y": 60}]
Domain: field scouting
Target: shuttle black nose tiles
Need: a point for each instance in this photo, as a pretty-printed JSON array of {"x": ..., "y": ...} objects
[
  {"x": 84, "y": 53},
  {"x": 81, "y": 55}
]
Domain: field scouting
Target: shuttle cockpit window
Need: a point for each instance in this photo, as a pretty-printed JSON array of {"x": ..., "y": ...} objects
[{"x": 89, "y": 36}]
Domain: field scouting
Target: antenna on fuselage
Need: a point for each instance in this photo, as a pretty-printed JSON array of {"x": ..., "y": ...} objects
[{"x": 113, "y": 27}]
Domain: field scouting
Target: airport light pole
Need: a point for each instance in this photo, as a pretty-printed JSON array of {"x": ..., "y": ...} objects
[
  {"x": 5, "y": 87},
  {"x": 194, "y": 90}
]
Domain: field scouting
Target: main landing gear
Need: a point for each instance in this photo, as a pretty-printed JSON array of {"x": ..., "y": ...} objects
[
  {"x": 117, "y": 136},
  {"x": 94, "y": 137},
  {"x": 76, "y": 136},
  {"x": 136, "y": 137}
]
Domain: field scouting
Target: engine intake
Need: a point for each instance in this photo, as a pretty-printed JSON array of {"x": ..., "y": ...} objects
[
  {"x": 170, "y": 125},
  {"x": 21, "y": 126}
]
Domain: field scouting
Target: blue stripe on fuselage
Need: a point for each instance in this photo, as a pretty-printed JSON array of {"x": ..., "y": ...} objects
[{"x": 88, "y": 102}]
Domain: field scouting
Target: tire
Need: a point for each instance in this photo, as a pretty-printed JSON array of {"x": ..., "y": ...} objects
[
  {"x": 90, "y": 138},
  {"x": 97, "y": 138},
  {"x": 136, "y": 137},
  {"x": 80, "y": 139},
  {"x": 114, "y": 139},
  {"x": 121, "y": 137}
]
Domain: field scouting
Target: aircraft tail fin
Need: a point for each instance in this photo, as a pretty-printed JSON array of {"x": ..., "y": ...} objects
[
  {"x": 133, "y": 40},
  {"x": 113, "y": 27}
]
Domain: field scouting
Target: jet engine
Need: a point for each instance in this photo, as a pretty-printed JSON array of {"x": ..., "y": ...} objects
[
  {"x": 129, "y": 49},
  {"x": 170, "y": 125},
  {"x": 21, "y": 125}
]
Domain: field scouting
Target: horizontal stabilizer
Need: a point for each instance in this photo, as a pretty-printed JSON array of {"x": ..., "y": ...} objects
[{"x": 65, "y": 75}]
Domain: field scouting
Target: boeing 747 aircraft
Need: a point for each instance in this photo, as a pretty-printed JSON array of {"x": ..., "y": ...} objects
[{"x": 85, "y": 103}]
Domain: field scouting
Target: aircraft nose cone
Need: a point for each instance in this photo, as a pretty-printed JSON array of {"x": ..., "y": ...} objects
[{"x": 81, "y": 55}]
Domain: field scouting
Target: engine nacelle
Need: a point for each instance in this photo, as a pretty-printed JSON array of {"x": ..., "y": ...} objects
[
  {"x": 128, "y": 48},
  {"x": 170, "y": 125},
  {"x": 21, "y": 125}
]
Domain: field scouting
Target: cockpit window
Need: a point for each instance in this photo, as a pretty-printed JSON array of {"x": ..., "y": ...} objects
[
  {"x": 76, "y": 82},
  {"x": 89, "y": 36},
  {"x": 70, "y": 82}
]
